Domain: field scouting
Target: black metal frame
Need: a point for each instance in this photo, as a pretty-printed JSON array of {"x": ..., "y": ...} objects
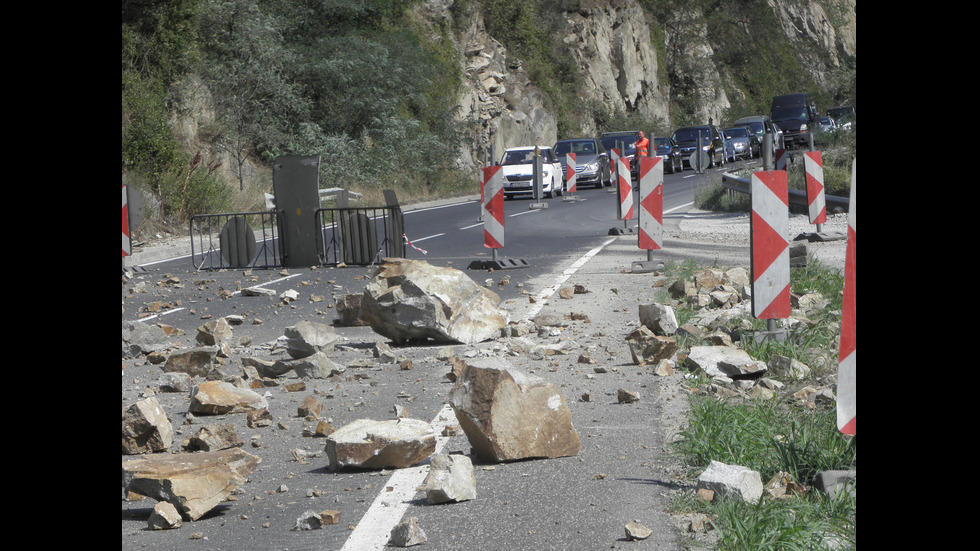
[
  {"x": 208, "y": 255},
  {"x": 350, "y": 235}
]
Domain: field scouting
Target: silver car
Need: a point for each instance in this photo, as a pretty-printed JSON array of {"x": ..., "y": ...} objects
[
  {"x": 591, "y": 161},
  {"x": 741, "y": 143}
]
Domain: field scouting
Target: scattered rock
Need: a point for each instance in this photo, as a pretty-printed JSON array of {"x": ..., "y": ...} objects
[
  {"x": 214, "y": 437},
  {"x": 194, "y": 483},
  {"x": 306, "y": 338},
  {"x": 369, "y": 444},
  {"x": 659, "y": 318},
  {"x": 407, "y": 533},
  {"x": 636, "y": 531},
  {"x": 146, "y": 428},
  {"x": 413, "y": 300},
  {"x": 450, "y": 478},
  {"x": 507, "y": 414},
  {"x": 624, "y": 396},
  {"x": 724, "y": 361},
  {"x": 196, "y": 362},
  {"x": 732, "y": 481},
  {"x": 214, "y": 332},
  {"x": 219, "y": 397},
  {"x": 648, "y": 348},
  {"x": 164, "y": 517}
]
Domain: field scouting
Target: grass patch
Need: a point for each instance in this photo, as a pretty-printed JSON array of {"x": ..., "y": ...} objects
[{"x": 778, "y": 435}]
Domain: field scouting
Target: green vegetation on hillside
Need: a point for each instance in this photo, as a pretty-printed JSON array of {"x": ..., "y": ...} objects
[{"x": 372, "y": 90}]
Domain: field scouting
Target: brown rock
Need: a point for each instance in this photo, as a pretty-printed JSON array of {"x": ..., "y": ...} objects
[
  {"x": 145, "y": 428},
  {"x": 507, "y": 414},
  {"x": 219, "y": 397},
  {"x": 369, "y": 444},
  {"x": 194, "y": 483}
]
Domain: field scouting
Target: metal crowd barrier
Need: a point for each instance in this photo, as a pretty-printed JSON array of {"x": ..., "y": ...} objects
[
  {"x": 359, "y": 235},
  {"x": 228, "y": 240}
]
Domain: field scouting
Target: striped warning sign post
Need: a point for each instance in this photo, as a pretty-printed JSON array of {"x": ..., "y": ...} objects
[
  {"x": 493, "y": 207},
  {"x": 781, "y": 158},
  {"x": 846, "y": 369},
  {"x": 813, "y": 165},
  {"x": 770, "y": 246},
  {"x": 570, "y": 174},
  {"x": 625, "y": 189},
  {"x": 651, "y": 215},
  {"x": 127, "y": 242}
]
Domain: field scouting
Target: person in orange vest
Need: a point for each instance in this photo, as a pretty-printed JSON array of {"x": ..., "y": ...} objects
[{"x": 642, "y": 145}]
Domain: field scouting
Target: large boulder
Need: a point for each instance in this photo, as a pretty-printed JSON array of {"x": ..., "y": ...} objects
[
  {"x": 412, "y": 300},
  {"x": 369, "y": 444},
  {"x": 508, "y": 415},
  {"x": 307, "y": 338},
  {"x": 194, "y": 483},
  {"x": 145, "y": 428}
]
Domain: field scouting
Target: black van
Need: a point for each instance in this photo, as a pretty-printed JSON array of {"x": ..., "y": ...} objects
[{"x": 795, "y": 114}]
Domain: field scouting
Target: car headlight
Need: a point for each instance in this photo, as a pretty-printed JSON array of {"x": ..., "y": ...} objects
[
  {"x": 593, "y": 166},
  {"x": 804, "y": 128}
]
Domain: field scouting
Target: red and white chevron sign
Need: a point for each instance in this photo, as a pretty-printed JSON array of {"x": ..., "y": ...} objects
[
  {"x": 127, "y": 242},
  {"x": 651, "y": 222},
  {"x": 625, "y": 189},
  {"x": 813, "y": 164},
  {"x": 781, "y": 158},
  {"x": 570, "y": 174},
  {"x": 770, "y": 245},
  {"x": 847, "y": 369},
  {"x": 493, "y": 207}
]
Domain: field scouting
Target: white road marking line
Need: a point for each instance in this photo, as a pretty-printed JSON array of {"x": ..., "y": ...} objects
[
  {"x": 429, "y": 237},
  {"x": 546, "y": 294},
  {"x": 374, "y": 529}
]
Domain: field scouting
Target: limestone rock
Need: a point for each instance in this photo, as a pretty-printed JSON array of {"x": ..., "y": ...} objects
[
  {"x": 507, "y": 414},
  {"x": 142, "y": 338},
  {"x": 732, "y": 480},
  {"x": 307, "y": 338},
  {"x": 267, "y": 368},
  {"x": 369, "y": 444},
  {"x": 450, "y": 478},
  {"x": 349, "y": 310},
  {"x": 659, "y": 318},
  {"x": 648, "y": 348},
  {"x": 725, "y": 361},
  {"x": 219, "y": 397},
  {"x": 196, "y": 361},
  {"x": 413, "y": 300},
  {"x": 194, "y": 483},
  {"x": 145, "y": 428},
  {"x": 407, "y": 533},
  {"x": 315, "y": 366},
  {"x": 214, "y": 332},
  {"x": 636, "y": 531},
  {"x": 164, "y": 517},
  {"x": 213, "y": 437}
]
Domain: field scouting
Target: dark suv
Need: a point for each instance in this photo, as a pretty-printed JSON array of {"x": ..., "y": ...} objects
[
  {"x": 712, "y": 143},
  {"x": 591, "y": 160}
]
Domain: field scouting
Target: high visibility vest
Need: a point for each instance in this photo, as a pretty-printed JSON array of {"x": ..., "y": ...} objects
[{"x": 643, "y": 147}]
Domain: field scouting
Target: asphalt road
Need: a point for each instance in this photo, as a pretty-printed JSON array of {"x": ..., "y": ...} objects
[{"x": 622, "y": 473}]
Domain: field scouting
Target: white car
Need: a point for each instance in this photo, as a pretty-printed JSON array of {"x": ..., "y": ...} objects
[{"x": 518, "y": 171}]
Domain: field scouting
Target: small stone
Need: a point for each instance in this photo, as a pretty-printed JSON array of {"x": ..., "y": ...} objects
[
  {"x": 636, "y": 531},
  {"x": 407, "y": 533},
  {"x": 164, "y": 517}
]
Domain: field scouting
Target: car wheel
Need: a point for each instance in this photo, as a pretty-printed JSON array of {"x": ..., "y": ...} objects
[{"x": 560, "y": 190}]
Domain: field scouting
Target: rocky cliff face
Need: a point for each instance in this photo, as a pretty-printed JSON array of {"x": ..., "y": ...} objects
[{"x": 611, "y": 45}]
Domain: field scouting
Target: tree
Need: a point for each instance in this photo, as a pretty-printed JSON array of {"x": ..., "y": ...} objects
[{"x": 245, "y": 69}]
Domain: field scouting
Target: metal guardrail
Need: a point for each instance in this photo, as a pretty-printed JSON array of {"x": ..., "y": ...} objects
[
  {"x": 796, "y": 197},
  {"x": 221, "y": 241},
  {"x": 359, "y": 235}
]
